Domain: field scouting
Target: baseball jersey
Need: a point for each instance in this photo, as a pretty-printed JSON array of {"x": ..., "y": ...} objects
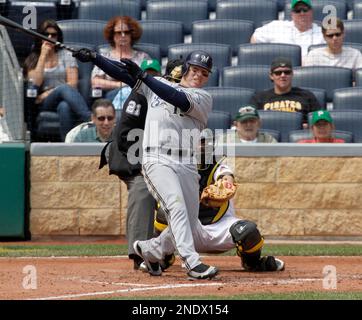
[{"x": 165, "y": 123}]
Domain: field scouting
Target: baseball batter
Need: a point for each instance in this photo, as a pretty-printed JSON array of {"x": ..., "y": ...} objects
[{"x": 169, "y": 167}]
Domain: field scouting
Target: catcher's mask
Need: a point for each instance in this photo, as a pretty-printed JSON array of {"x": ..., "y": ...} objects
[{"x": 197, "y": 58}]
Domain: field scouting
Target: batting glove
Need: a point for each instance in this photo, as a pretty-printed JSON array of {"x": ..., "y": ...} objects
[
  {"x": 133, "y": 69},
  {"x": 85, "y": 55}
]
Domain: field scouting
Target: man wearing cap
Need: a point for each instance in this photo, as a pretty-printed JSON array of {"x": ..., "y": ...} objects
[
  {"x": 247, "y": 124},
  {"x": 300, "y": 30},
  {"x": 284, "y": 97},
  {"x": 322, "y": 128}
]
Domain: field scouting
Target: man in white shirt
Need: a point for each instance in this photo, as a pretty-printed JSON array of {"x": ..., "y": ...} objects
[
  {"x": 300, "y": 31},
  {"x": 334, "y": 54}
]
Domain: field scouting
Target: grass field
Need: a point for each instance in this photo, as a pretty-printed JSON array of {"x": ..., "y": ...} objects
[{"x": 116, "y": 250}]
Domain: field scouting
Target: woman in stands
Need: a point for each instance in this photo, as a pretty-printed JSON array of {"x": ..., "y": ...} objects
[
  {"x": 55, "y": 73},
  {"x": 121, "y": 32}
]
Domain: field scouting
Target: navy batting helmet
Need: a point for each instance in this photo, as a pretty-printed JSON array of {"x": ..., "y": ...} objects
[{"x": 197, "y": 58}]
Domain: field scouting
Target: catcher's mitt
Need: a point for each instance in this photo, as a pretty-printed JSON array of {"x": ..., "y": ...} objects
[{"x": 215, "y": 195}]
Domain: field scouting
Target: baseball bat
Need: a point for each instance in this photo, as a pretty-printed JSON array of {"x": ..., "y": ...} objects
[{"x": 9, "y": 23}]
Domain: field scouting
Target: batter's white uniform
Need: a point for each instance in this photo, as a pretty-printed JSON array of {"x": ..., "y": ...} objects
[{"x": 174, "y": 180}]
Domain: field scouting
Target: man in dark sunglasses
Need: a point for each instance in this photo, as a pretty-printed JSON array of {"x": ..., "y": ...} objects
[
  {"x": 335, "y": 54},
  {"x": 300, "y": 30},
  {"x": 285, "y": 97},
  {"x": 101, "y": 126}
]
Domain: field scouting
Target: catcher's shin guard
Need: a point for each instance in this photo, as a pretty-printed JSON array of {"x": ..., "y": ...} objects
[{"x": 248, "y": 241}]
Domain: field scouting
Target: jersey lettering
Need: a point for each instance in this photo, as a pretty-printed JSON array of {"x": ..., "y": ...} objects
[
  {"x": 133, "y": 108},
  {"x": 284, "y": 105}
]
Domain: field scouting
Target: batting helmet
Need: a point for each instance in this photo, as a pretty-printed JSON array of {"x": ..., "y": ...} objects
[{"x": 197, "y": 58}]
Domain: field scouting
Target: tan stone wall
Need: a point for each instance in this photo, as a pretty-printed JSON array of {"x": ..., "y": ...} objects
[{"x": 290, "y": 196}]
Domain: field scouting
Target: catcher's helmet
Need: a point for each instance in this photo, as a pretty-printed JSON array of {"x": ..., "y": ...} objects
[{"x": 197, "y": 58}]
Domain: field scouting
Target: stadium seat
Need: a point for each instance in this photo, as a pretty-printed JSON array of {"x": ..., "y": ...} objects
[
  {"x": 297, "y": 135},
  {"x": 230, "y": 32},
  {"x": 347, "y": 120},
  {"x": 254, "y": 10},
  {"x": 220, "y": 53},
  {"x": 212, "y": 5},
  {"x": 357, "y": 10},
  {"x": 48, "y": 121},
  {"x": 4, "y": 7},
  {"x": 350, "y": 4},
  {"x": 185, "y": 11},
  {"x": 357, "y": 46},
  {"x": 358, "y": 77},
  {"x": 153, "y": 50},
  {"x": 22, "y": 42},
  {"x": 347, "y": 99},
  {"x": 281, "y": 121},
  {"x": 106, "y": 9},
  {"x": 274, "y": 133},
  {"x": 265, "y": 53},
  {"x": 254, "y": 77},
  {"x": 83, "y": 31},
  {"x": 320, "y": 94},
  {"x": 229, "y": 99},
  {"x": 163, "y": 33},
  {"x": 219, "y": 120},
  {"x": 318, "y": 5},
  {"x": 327, "y": 78},
  {"x": 353, "y": 30}
]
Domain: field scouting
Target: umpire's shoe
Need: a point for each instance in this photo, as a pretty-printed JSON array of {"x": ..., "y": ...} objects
[
  {"x": 154, "y": 268},
  {"x": 202, "y": 271}
]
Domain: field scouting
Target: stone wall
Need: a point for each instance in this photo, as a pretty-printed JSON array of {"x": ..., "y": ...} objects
[{"x": 285, "y": 196}]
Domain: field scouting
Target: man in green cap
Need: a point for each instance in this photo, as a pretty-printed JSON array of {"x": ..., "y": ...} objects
[
  {"x": 322, "y": 128},
  {"x": 300, "y": 30},
  {"x": 247, "y": 124}
]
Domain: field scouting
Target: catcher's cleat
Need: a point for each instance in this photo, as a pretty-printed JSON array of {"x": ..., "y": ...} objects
[
  {"x": 266, "y": 263},
  {"x": 202, "y": 271},
  {"x": 167, "y": 262},
  {"x": 153, "y": 268}
]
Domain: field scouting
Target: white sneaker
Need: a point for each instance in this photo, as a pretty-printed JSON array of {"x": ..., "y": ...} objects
[
  {"x": 202, "y": 271},
  {"x": 153, "y": 268}
]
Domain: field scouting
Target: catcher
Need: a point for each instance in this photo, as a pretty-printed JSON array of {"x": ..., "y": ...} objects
[{"x": 221, "y": 230}]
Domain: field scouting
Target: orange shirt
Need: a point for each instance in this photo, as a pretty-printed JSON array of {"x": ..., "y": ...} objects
[{"x": 331, "y": 140}]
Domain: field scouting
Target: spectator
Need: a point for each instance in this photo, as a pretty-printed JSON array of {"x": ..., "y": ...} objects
[
  {"x": 301, "y": 30},
  {"x": 247, "y": 124},
  {"x": 3, "y": 127},
  {"x": 322, "y": 128},
  {"x": 55, "y": 73},
  {"x": 121, "y": 32},
  {"x": 100, "y": 129},
  {"x": 284, "y": 97},
  {"x": 335, "y": 54}
]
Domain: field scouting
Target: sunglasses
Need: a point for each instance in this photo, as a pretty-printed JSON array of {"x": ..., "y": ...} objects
[
  {"x": 300, "y": 10},
  {"x": 286, "y": 72},
  {"x": 123, "y": 33},
  {"x": 103, "y": 118},
  {"x": 337, "y": 34},
  {"x": 51, "y": 34}
]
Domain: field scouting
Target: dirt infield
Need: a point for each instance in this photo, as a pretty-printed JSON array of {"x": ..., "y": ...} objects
[{"x": 102, "y": 277}]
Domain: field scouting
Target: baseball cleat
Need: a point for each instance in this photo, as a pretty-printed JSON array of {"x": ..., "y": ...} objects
[
  {"x": 266, "y": 263},
  {"x": 202, "y": 271},
  {"x": 153, "y": 268},
  {"x": 167, "y": 262}
]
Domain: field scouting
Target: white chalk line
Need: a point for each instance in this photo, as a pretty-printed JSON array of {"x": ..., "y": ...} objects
[{"x": 80, "y": 295}]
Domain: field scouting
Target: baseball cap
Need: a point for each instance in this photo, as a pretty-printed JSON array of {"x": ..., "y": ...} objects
[
  {"x": 247, "y": 112},
  {"x": 321, "y": 115},
  {"x": 295, "y": 2},
  {"x": 151, "y": 64},
  {"x": 280, "y": 62}
]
